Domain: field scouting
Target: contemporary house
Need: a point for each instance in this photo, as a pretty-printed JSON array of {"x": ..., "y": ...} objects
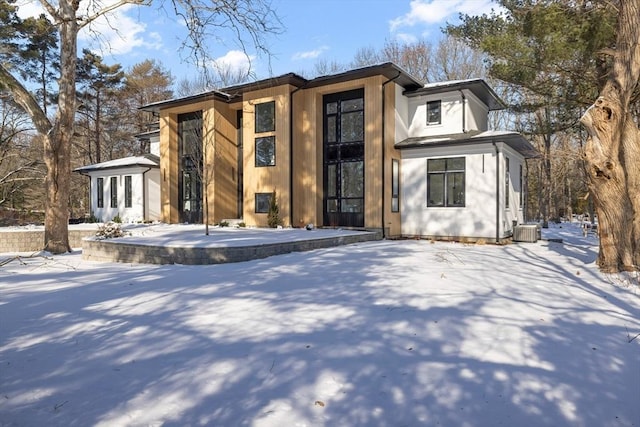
[
  {"x": 369, "y": 148},
  {"x": 128, "y": 188}
]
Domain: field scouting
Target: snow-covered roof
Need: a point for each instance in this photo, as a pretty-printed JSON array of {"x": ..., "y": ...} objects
[
  {"x": 478, "y": 87},
  {"x": 148, "y": 160},
  {"x": 512, "y": 139}
]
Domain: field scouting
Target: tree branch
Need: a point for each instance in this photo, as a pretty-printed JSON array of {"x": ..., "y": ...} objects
[
  {"x": 24, "y": 98},
  {"x": 87, "y": 20}
]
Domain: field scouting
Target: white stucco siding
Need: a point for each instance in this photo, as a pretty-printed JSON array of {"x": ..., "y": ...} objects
[
  {"x": 515, "y": 211},
  {"x": 402, "y": 114},
  {"x": 477, "y": 113},
  {"x": 134, "y": 213},
  {"x": 477, "y": 219},
  {"x": 153, "y": 195},
  {"x": 451, "y": 115}
]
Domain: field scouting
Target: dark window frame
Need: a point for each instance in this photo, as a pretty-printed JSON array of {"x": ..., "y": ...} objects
[
  {"x": 395, "y": 185},
  {"x": 433, "y": 108},
  {"x": 447, "y": 174},
  {"x": 261, "y": 108},
  {"x": 521, "y": 188},
  {"x": 100, "y": 192},
  {"x": 128, "y": 191},
  {"x": 506, "y": 183},
  {"x": 266, "y": 196},
  {"x": 273, "y": 148},
  {"x": 113, "y": 192}
]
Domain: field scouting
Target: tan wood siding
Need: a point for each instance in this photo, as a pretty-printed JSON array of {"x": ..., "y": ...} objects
[
  {"x": 220, "y": 167},
  {"x": 308, "y": 149},
  {"x": 266, "y": 179}
]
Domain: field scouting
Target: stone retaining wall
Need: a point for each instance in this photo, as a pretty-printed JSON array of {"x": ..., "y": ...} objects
[
  {"x": 119, "y": 251},
  {"x": 33, "y": 240}
]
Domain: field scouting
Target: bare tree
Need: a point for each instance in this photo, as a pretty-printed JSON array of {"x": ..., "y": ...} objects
[
  {"x": 247, "y": 19},
  {"x": 612, "y": 150}
]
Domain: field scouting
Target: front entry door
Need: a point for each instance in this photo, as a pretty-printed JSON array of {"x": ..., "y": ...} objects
[{"x": 344, "y": 159}]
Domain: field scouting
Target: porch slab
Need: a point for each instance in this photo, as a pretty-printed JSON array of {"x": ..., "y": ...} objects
[{"x": 188, "y": 244}]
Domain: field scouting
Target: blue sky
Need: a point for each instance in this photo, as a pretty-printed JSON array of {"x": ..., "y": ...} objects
[{"x": 314, "y": 30}]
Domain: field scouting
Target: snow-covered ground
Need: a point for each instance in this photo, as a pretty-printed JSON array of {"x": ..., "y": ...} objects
[{"x": 388, "y": 333}]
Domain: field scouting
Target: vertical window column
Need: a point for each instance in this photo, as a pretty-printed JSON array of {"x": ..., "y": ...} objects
[
  {"x": 113, "y": 188},
  {"x": 265, "y": 141},
  {"x": 395, "y": 185},
  {"x": 127, "y": 192},
  {"x": 100, "y": 192}
]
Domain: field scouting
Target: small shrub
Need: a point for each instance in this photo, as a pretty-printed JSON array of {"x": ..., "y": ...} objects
[
  {"x": 109, "y": 230},
  {"x": 242, "y": 225},
  {"x": 117, "y": 219},
  {"x": 224, "y": 223},
  {"x": 274, "y": 220},
  {"x": 92, "y": 219}
]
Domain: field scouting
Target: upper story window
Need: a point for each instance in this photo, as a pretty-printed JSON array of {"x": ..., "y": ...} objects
[
  {"x": 265, "y": 145},
  {"x": 266, "y": 117},
  {"x": 434, "y": 112},
  {"x": 445, "y": 182}
]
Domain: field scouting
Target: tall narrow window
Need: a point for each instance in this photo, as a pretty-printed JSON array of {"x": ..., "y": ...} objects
[
  {"x": 127, "y": 192},
  {"x": 100, "y": 192},
  {"x": 506, "y": 182},
  {"x": 395, "y": 186},
  {"x": 446, "y": 182},
  {"x": 434, "y": 112},
  {"x": 521, "y": 188},
  {"x": 113, "y": 188},
  {"x": 265, "y": 145}
]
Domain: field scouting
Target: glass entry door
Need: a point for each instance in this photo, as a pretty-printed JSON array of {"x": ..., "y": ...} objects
[{"x": 344, "y": 159}]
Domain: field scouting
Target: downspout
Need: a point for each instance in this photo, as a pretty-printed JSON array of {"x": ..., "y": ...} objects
[
  {"x": 497, "y": 191},
  {"x": 464, "y": 111},
  {"x": 144, "y": 195},
  {"x": 384, "y": 146}
]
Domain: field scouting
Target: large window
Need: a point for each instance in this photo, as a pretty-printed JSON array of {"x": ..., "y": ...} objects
[
  {"x": 445, "y": 182},
  {"x": 266, "y": 117},
  {"x": 113, "y": 188},
  {"x": 266, "y": 151},
  {"x": 434, "y": 112},
  {"x": 100, "y": 192},
  {"x": 190, "y": 172},
  {"x": 127, "y": 192},
  {"x": 262, "y": 202},
  {"x": 265, "y": 144},
  {"x": 344, "y": 151},
  {"x": 395, "y": 185}
]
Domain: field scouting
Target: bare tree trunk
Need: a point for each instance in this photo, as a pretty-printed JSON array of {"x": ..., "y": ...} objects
[
  {"x": 612, "y": 150},
  {"x": 57, "y": 144}
]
